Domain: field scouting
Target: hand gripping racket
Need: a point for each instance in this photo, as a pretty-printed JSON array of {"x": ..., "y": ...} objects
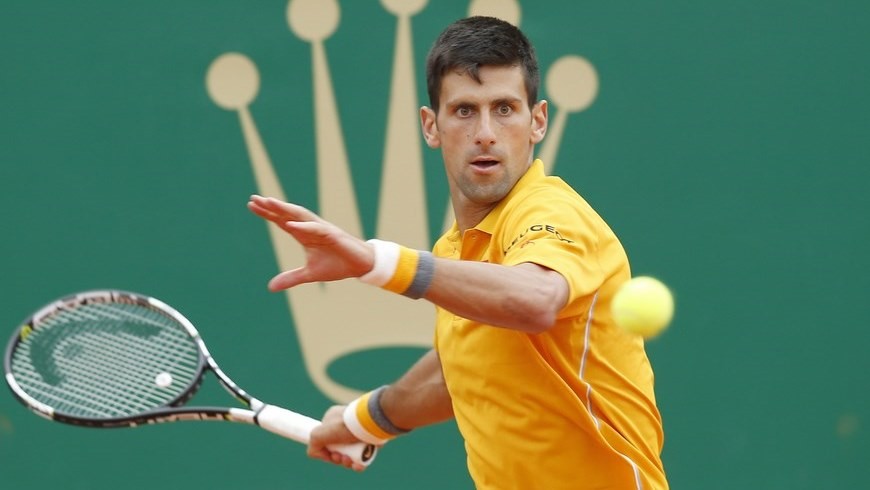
[{"x": 120, "y": 359}]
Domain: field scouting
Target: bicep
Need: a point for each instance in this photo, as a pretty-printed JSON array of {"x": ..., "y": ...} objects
[{"x": 552, "y": 280}]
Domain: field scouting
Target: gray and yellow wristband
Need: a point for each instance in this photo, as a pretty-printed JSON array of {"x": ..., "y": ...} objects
[
  {"x": 400, "y": 269},
  {"x": 366, "y": 420}
]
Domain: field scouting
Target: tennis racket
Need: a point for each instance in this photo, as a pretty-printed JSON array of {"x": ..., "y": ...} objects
[{"x": 121, "y": 359}]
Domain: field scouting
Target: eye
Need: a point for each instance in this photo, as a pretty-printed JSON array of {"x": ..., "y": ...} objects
[
  {"x": 505, "y": 110},
  {"x": 463, "y": 111}
]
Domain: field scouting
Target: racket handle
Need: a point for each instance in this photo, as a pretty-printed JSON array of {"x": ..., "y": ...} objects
[{"x": 298, "y": 427}]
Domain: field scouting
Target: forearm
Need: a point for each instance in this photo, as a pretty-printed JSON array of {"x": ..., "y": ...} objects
[
  {"x": 524, "y": 297},
  {"x": 419, "y": 397}
]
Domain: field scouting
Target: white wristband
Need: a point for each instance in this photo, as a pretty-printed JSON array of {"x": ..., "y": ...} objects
[
  {"x": 386, "y": 261},
  {"x": 355, "y": 427}
]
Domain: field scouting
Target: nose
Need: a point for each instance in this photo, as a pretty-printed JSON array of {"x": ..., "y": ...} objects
[{"x": 485, "y": 135}]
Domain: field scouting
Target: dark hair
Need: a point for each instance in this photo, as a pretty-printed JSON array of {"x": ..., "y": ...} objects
[{"x": 473, "y": 42}]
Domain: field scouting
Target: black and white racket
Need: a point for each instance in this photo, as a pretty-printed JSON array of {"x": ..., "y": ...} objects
[{"x": 120, "y": 359}]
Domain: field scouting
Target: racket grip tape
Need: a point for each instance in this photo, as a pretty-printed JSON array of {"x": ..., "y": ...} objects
[{"x": 298, "y": 427}]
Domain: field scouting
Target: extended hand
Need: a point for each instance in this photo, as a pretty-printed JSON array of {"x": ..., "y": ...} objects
[{"x": 332, "y": 253}]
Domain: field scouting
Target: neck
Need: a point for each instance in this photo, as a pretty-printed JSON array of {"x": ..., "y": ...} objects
[{"x": 469, "y": 214}]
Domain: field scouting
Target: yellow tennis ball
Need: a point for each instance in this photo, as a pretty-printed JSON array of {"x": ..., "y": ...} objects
[{"x": 643, "y": 305}]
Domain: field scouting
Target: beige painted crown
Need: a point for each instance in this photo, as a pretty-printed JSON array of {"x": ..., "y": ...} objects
[{"x": 340, "y": 318}]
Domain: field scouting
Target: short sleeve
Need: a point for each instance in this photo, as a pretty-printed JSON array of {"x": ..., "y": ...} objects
[{"x": 557, "y": 230}]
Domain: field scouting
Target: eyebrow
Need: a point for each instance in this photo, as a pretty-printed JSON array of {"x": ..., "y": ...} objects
[
  {"x": 463, "y": 102},
  {"x": 508, "y": 101}
]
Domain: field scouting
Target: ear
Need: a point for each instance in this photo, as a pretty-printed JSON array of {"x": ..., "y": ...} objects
[
  {"x": 430, "y": 127},
  {"x": 539, "y": 121}
]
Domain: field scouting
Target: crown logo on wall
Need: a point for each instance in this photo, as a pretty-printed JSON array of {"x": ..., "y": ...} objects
[{"x": 336, "y": 319}]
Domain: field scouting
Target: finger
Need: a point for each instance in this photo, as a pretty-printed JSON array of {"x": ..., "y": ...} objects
[
  {"x": 264, "y": 209},
  {"x": 324, "y": 454},
  {"x": 265, "y": 213},
  {"x": 342, "y": 460},
  {"x": 259, "y": 201},
  {"x": 293, "y": 212},
  {"x": 268, "y": 208},
  {"x": 289, "y": 279},
  {"x": 319, "y": 453},
  {"x": 302, "y": 227},
  {"x": 304, "y": 231}
]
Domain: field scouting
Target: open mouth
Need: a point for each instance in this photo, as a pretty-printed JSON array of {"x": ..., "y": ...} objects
[{"x": 484, "y": 163}]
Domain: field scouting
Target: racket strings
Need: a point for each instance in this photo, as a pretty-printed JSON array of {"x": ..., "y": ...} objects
[
  {"x": 102, "y": 373},
  {"x": 111, "y": 374},
  {"x": 105, "y": 360}
]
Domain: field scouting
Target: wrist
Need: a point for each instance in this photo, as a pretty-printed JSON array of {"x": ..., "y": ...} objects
[
  {"x": 367, "y": 421},
  {"x": 400, "y": 269}
]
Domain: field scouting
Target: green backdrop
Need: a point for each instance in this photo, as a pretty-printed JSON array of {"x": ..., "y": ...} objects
[{"x": 728, "y": 148}]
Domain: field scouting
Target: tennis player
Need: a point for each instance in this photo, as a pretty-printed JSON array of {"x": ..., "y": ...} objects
[{"x": 547, "y": 392}]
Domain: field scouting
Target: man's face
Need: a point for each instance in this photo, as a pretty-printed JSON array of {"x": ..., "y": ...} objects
[{"x": 486, "y": 132}]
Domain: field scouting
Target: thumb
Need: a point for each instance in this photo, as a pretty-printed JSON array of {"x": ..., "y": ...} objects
[{"x": 288, "y": 279}]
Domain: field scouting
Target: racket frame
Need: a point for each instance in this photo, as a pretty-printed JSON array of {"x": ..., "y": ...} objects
[
  {"x": 172, "y": 410},
  {"x": 270, "y": 417}
]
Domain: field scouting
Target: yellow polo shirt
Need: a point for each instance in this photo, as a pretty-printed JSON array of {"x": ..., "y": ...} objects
[{"x": 570, "y": 408}]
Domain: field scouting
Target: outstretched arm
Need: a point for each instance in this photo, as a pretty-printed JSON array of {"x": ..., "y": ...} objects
[{"x": 524, "y": 297}]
